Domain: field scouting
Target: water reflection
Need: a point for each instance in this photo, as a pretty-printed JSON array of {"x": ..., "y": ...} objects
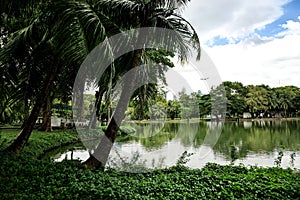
[{"x": 250, "y": 143}]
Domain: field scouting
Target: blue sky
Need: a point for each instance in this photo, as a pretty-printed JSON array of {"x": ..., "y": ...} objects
[
  {"x": 291, "y": 12},
  {"x": 253, "y": 42}
]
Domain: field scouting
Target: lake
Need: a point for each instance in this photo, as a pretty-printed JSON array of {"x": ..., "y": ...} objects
[{"x": 160, "y": 145}]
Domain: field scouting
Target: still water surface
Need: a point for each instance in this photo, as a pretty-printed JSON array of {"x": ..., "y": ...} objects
[{"x": 161, "y": 145}]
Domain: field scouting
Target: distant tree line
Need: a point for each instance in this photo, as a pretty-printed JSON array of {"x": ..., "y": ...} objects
[{"x": 258, "y": 100}]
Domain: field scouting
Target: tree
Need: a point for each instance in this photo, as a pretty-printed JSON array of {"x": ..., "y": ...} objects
[
  {"x": 257, "y": 99},
  {"x": 285, "y": 97},
  {"x": 173, "y": 109},
  {"x": 66, "y": 42},
  {"x": 204, "y": 102},
  {"x": 17, "y": 80},
  {"x": 235, "y": 93},
  {"x": 142, "y": 14},
  {"x": 188, "y": 105},
  {"x": 218, "y": 102}
]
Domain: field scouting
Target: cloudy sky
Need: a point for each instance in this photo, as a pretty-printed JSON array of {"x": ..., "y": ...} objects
[{"x": 253, "y": 42}]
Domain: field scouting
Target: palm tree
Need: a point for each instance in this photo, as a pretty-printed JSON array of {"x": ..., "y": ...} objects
[
  {"x": 66, "y": 42},
  {"x": 156, "y": 13}
]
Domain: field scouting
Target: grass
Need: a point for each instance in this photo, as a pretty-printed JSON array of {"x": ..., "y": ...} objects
[
  {"x": 39, "y": 142},
  {"x": 26, "y": 177}
]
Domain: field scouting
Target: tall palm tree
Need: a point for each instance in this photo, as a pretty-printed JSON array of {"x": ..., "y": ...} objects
[{"x": 155, "y": 13}]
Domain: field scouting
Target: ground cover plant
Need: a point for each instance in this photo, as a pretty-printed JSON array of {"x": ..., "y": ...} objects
[{"x": 26, "y": 177}]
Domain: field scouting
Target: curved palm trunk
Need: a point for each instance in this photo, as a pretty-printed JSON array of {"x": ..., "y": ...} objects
[
  {"x": 22, "y": 138},
  {"x": 99, "y": 158}
]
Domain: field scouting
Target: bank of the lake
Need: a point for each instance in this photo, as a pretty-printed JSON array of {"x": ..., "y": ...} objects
[
  {"x": 196, "y": 120},
  {"x": 26, "y": 177}
]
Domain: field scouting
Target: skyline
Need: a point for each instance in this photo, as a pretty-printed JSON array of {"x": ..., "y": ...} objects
[{"x": 250, "y": 42}]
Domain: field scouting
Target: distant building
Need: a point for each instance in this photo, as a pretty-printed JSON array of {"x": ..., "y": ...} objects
[{"x": 247, "y": 115}]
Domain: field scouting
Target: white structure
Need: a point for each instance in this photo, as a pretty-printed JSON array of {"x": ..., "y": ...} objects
[
  {"x": 55, "y": 122},
  {"x": 247, "y": 115}
]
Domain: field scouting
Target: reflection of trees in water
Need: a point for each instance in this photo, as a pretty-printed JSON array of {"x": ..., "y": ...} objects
[
  {"x": 260, "y": 137},
  {"x": 189, "y": 134},
  {"x": 154, "y": 135},
  {"x": 147, "y": 130},
  {"x": 257, "y": 137}
]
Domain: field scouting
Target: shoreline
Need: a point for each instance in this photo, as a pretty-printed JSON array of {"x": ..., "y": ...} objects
[{"x": 194, "y": 120}]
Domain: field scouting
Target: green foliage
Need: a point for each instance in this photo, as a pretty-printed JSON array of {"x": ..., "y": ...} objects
[
  {"x": 278, "y": 160},
  {"x": 173, "y": 109},
  {"x": 183, "y": 159},
  {"x": 22, "y": 177},
  {"x": 233, "y": 153},
  {"x": 292, "y": 162}
]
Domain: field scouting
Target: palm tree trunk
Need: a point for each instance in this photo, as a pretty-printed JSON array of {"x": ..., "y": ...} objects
[
  {"x": 26, "y": 109},
  {"x": 46, "y": 125},
  {"x": 99, "y": 158},
  {"x": 22, "y": 138},
  {"x": 96, "y": 109}
]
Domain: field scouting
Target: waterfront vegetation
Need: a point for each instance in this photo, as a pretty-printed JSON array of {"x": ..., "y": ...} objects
[{"x": 24, "y": 176}]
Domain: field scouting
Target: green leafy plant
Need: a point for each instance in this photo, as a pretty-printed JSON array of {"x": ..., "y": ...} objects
[
  {"x": 183, "y": 159},
  {"x": 233, "y": 154},
  {"x": 292, "y": 162},
  {"x": 278, "y": 160}
]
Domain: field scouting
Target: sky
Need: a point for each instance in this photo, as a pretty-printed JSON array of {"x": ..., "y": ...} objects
[{"x": 252, "y": 42}]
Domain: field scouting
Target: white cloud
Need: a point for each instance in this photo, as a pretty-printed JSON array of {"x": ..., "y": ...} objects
[
  {"x": 273, "y": 60},
  {"x": 232, "y": 19},
  {"x": 274, "y": 63},
  {"x": 292, "y": 28}
]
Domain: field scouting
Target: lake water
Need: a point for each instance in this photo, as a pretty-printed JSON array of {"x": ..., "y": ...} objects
[{"x": 160, "y": 145}]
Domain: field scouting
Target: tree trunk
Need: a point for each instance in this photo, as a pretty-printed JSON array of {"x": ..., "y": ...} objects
[
  {"x": 26, "y": 110},
  {"x": 22, "y": 138},
  {"x": 26, "y": 104},
  {"x": 96, "y": 109},
  {"x": 46, "y": 125},
  {"x": 99, "y": 158}
]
